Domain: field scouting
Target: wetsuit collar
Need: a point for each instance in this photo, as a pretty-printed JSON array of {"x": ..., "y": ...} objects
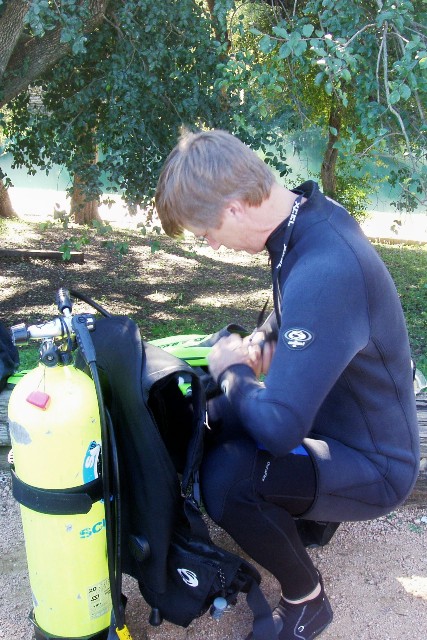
[
  {"x": 274, "y": 242},
  {"x": 281, "y": 240}
]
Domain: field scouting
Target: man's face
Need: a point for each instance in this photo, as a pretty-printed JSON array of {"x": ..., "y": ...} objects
[{"x": 232, "y": 233}]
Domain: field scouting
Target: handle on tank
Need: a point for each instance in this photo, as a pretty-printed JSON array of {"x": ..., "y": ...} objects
[
  {"x": 63, "y": 301},
  {"x": 21, "y": 334}
]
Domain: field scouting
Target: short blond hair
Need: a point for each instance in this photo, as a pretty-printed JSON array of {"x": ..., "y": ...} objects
[{"x": 202, "y": 174}]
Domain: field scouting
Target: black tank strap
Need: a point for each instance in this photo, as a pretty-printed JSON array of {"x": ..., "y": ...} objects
[
  {"x": 40, "y": 634},
  {"x": 57, "y": 501}
]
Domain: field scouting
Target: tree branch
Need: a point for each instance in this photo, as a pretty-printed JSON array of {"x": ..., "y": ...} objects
[
  {"x": 415, "y": 92},
  {"x": 387, "y": 93},
  {"x": 367, "y": 26},
  {"x": 377, "y": 70},
  {"x": 40, "y": 54},
  {"x": 11, "y": 26}
]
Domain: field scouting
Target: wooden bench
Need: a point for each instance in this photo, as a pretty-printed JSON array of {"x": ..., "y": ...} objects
[
  {"x": 41, "y": 254},
  {"x": 418, "y": 496}
]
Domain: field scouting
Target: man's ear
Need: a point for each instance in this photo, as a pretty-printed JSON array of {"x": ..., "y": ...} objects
[{"x": 236, "y": 209}]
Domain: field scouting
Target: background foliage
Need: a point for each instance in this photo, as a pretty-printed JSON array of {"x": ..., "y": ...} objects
[
  {"x": 127, "y": 74},
  {"x": 123, "y": 91},
  {"x": 355, "y": 73}
]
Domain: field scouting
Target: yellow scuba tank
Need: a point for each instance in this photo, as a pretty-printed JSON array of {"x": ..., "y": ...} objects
[{"x": 56, "y": 441}]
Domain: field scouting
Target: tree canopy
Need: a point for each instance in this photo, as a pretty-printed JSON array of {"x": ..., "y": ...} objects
[
  {"x": 356, "y": 73},
  {"x": 123, "y": 89},
  {"x": 103, "y": 86},
  {"x": 34, "y": 35}
]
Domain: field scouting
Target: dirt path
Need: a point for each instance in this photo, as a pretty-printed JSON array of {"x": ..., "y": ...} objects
[{"x": 375, "y": 574}]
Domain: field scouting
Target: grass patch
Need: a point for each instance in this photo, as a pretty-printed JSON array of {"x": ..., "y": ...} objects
[
  {"x": 28, "y": 357},
  {"x": 183, "y": 288},
  {"x": 408, "y": 267}
]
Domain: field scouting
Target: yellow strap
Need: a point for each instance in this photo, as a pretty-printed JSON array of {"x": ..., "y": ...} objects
[{"x": 123, "y": 634}]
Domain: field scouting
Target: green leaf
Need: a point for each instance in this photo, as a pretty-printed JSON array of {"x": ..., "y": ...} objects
[
  {"x": 405, "y": 91},
  {"x": 263, "y": 111},
  {"x": 307, "y": 30},
  {"x": 266, "y": 44},
  {"x": 78, "y": 45},
  {"x": 300, "y": 48},
  {"x": 284, "y": 50},
  {"x": 394, "y": 96},
  {"x": 66, "y": 36},
  {"x": 280, "y": 32},
  {"x": 345, "y": 73},
  {"x": 154, "y": 246}
]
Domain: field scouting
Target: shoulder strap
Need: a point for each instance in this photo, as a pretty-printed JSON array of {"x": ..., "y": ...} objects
[{"x": 263, "y": 624}]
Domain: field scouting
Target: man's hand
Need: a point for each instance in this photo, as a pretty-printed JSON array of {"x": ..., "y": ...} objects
[
  {"x": 253, "y": 352},
  {"x": 226, "y": 352},
  {"x": 260, "y": 351}
]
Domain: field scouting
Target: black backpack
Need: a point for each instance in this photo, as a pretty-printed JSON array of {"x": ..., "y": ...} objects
[
  {"x": 9, "y": 357},
  {"x": 157, "y": 408}
]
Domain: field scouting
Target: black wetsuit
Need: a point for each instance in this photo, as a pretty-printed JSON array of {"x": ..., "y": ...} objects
[{"x": 340, "y": 384}]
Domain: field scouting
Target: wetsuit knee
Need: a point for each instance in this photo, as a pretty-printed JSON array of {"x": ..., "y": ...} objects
[{"x": 223, "y": 467}]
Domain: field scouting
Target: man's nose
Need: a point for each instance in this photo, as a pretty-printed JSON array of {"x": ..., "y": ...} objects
[{"x": 213, "y": 244}]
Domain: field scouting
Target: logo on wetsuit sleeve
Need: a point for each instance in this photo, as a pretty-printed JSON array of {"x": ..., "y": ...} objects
[{"x": 298, "y": 338}]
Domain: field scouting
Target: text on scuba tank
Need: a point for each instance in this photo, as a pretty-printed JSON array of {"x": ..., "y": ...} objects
[
  {"x": 87, "y": 532},
  {"x": 99, "y": 599}
]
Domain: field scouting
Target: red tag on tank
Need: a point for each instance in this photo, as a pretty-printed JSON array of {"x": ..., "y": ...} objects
[{"x": 39, "y": 399}]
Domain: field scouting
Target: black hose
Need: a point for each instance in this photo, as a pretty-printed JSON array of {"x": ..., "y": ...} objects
[
  {"x": 109, "y": 486},
  {"x": 117, "y": 509},
  {"x": 84, "y": 298},
  {"x": 112, "y": 534}
]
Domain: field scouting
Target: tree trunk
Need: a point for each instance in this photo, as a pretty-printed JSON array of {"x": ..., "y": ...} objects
[
  {"x": 6, "y": 209},
  {"x": 83, "y": 209},
  {"x": 211, "y": 8},
  {"x": 42, "y": 254},
  {"x": 328, "y": 170}
]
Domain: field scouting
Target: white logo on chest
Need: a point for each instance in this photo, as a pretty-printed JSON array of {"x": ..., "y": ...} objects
[{"x": 189, "y": 577}]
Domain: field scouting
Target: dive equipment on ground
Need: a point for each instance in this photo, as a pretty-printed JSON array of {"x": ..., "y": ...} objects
[
  {"x": 61, "y": 478},
  {"x": 157, "y": 417},
  {"x": 166, "y": 544}
]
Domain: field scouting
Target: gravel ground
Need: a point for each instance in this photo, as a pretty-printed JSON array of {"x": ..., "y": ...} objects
[{"x": 375, "y": 574}]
